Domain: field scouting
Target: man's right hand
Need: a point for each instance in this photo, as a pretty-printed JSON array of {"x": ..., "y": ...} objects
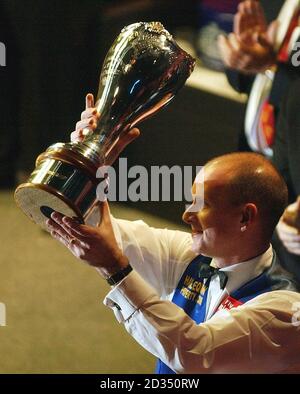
[
  {"x": 249, "y": 48},
  {"x": 88, "y": 124}
]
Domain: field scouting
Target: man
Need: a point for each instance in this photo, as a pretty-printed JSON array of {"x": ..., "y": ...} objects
[{"x": 193, "y": 317}]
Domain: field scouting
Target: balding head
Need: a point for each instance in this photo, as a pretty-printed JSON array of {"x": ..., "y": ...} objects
[{"x": 250, "y": 178}]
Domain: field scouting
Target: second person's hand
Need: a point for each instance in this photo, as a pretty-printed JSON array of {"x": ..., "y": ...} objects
[{"x": 249, "y": 49}]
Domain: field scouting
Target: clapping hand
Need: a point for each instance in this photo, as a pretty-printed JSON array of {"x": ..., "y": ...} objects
[
  {"x": 288, "y": 228},
  {"x": 250, "y": 48}
]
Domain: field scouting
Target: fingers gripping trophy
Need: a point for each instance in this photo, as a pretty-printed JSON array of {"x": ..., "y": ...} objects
[{"x": 142, "y": 72}]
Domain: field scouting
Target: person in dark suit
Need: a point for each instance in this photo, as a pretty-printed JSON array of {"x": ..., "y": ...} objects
[
  {"x": 287, "y": 159},
  {"x": 249, "y": 50},
  {"x": 246, "y": 52}
]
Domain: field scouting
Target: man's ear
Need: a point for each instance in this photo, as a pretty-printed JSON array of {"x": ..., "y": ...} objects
[{"x": 249, "y": 213}]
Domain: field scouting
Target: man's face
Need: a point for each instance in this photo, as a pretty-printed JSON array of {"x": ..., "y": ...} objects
[{"x": 215, "y": 222}]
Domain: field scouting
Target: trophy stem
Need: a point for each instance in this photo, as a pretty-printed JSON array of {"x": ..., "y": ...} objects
[{"x": 89, "y": 152}]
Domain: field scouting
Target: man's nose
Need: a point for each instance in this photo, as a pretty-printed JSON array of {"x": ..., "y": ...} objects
[{"x": 187, "y": 216}]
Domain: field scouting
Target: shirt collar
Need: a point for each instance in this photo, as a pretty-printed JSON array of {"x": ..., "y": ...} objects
[{"x": 241, "y": 273}]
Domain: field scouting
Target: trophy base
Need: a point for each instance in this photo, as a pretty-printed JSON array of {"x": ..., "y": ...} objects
[
  {"x": 60, "y": 183},
  {"x": 38, "y": 202}
]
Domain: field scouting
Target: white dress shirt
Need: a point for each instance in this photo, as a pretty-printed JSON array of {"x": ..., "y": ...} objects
[{"x": 263, "y": 335}]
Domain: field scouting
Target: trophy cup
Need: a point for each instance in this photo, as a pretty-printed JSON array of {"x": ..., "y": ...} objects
[{"x": 142, "y": 72}]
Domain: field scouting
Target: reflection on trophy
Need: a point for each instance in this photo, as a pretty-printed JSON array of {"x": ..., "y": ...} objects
[{"x": 142, "y": 72}]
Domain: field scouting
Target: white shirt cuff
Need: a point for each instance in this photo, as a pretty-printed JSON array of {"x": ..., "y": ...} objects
[{"x": 128, "y": 296}]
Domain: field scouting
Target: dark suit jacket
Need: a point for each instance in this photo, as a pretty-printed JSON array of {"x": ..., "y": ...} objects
[
  {"x": 287, "y": 142},
  {"x": 285, "y": 97},
  {"x": 285, "y": 73},
  {"x": 287, "y": 160}
]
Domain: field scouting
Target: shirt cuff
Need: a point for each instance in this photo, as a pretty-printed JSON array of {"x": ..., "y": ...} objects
[{"x": 128, "y": 296}]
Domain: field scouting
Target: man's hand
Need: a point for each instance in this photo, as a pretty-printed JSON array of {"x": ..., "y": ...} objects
[
  {"x": 89, "y": 120},
  {"x": 249, "y": 48},
  {"x": 291, "y": 215},
  {"x": 287, "y": 229},
  {"x": 95, "y": 245},
  {"x": 88, "y": 124}
]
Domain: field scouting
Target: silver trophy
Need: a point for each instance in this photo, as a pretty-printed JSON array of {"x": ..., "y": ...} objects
[{"x": 142, "y": 72}]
